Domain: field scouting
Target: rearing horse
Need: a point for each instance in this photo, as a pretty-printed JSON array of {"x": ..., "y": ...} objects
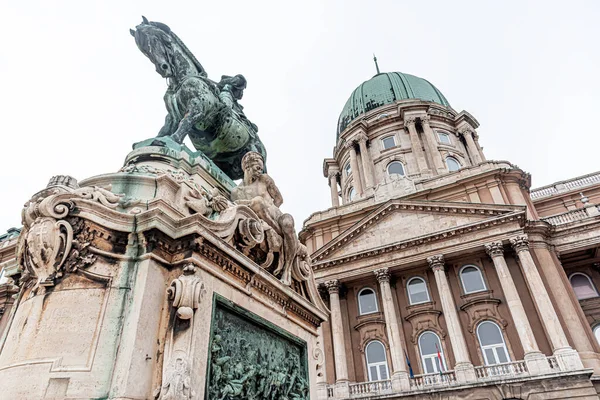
[{"x": 197, "y": 107}]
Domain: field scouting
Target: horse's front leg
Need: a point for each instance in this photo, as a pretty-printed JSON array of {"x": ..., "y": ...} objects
[
  {"x": 169, "y": 126},
  {"x": 187, "y": 123}
]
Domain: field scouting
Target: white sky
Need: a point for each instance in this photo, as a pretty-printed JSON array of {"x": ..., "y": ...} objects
[{"x": 76, "y": 92}]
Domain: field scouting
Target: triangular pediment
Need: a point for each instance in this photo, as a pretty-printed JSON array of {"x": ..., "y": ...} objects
[{"x": 400, "y": 221}]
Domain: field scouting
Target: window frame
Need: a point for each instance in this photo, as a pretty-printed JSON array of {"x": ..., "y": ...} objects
[
  {"x": 360, "y": 313},
  {"x": 377, "y": 364},
  {"x": 596, "y": 332},
  {"x": 439, "y": 134},
  {"x": 350, "y": 195},
  {"x": 387, "y": 170},
  {"x": 462, "y": 282},
  {"x": 426, "y": 291},
  {"x": 347, "y": 169},
  {"x": 457, "y": 162},
  {"x": 493, "y": 347},
  {"x": 434, "y": 363},
  {"x": 393, "y": 137},
  {"x": 589, "y": 281}
]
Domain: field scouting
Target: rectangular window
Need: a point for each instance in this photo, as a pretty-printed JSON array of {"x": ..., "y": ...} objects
[
  {"x": 388, "y": 142},
  {"x": 444, "y": 138}
]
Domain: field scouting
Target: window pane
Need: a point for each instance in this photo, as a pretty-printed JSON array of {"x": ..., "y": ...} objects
[
  {"x": 427, "y": 343},
  {"x": 490, "y": 357},
  {"x": 502, "y": 356},
  {"x": 389, "y": 142},
  {"x": 582, "y": 287},
  {"x": 489, "y": 334},
  {"x": 368, "y": 302},
  {"x": 444, "y": 138},
  {"x": 352, "y": 193},
  {"x": 382, "y": 372},
  {"x": 395, "y": 168},
  {"x": 597, "y": 333},
  {"x": 347, "y": 169},
  {"x": 375, "y": 353},
  {"x": 472, "y": 280},
  {"x": 429, "y": 366},
  {"x": 417, "y": 291},
  {"x": 373, "y": 373},
  {"x": 453, "y": 165}
]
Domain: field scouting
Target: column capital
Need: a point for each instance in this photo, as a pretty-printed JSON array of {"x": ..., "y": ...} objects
[
  {"x": 333, "y": 174},
  {"x": 349, "y": 144},
  {"x": 382, "y": 274},
  {"x": 436, "y": 262},
  {"x": 520, "y": 243},
  {"x": 494, "y": 249},
  {"x": 333, "y": 286},
  {"x": 424, "y": 119},
  {"x": 465, "y": 130},
  {"x": 409, "y": 120},
  {"x": 361, "y": 137}
]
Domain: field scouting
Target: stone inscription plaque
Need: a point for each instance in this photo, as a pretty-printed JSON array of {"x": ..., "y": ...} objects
[{"x": 250, "y": 358}]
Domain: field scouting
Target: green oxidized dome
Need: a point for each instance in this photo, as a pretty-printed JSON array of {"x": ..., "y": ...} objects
[{"x": 387, "y": 88}]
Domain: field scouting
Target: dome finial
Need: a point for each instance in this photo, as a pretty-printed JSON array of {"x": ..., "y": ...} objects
[{"x": 376, "y": 65}]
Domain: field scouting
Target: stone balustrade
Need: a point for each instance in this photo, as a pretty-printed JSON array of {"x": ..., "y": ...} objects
[
  {"x": 565, "y": 186},
  {"x": 484, "y": 374},
  {"x": 569, "y": 216},
  {"x": 436, "y": 379}
]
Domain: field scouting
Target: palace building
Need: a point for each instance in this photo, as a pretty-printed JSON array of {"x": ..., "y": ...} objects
[{"x": 445, "y": 273}]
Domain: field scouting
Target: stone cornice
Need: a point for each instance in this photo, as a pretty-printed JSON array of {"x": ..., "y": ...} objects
[
  {"x": 441, "y": 207},
  {"x": 518, "y": 216}
]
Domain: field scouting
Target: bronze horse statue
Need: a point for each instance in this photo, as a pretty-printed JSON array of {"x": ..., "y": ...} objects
[{"x": 204, "y": 110}]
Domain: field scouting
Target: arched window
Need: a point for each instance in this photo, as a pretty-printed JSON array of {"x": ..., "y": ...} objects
[
  {"x": 347, "y": 169},
  {"x": 444, "y": 138},
  {"x": 376, "y": 361},
  {"x": 388, "y": 142},
  {"x": 367, "y": 301},
  {"x": 597, "y": 333},
  {"x": 472, "y": 279},
  {"x": 492, "y": 343},
  {"x": 432, "y": 355},
  {"x": 351, "y": 194},
  {"x": 583, "y": 286},
  {"x": 417, "y": 291},
  {"x": 452, "y": 163},
  {"x": 395, "y": 167}
]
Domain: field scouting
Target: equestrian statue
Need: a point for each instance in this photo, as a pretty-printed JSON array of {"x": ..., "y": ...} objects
[{"x": 206, "y": 111}]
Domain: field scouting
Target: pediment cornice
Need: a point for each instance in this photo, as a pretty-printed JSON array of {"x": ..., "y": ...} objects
[{"x": 493, "y": 215}]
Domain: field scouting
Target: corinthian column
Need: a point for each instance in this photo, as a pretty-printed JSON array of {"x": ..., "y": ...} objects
[
  {"x": 354, "y": 165},
  {"x": 337, "y": 331},
  {"x": 536, "y": 361},
  {"x": 335, "y": 199},
  {"x": 394, "y": 333},
  {"x": 415, "y": 144},
  {"x": 568, "y": 358},
  {"x": 431, "y": 142},
  {"x": 464, "y": 369},
  {"x": 367, "y": 162},
  {"x": 471, "y": 147}
]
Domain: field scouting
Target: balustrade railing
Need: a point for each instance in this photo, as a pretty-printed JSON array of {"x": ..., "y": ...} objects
[
  {"x": 429, "y": 380},
  {"x": 516, "y": 368},
  {"x": 565, "y": 218},
  {"x": 564, "y": 186},
  {"x": 369, "y": 388}
]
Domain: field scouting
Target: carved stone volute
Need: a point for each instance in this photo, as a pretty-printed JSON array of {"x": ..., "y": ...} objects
[
  {"x": 494, "y": 249},
  {"x": 382, "y": 274},
  {"x": 186, "y": 292},
  {"x": 436, "y": 263},
  {"x": 520, "y": 243}
]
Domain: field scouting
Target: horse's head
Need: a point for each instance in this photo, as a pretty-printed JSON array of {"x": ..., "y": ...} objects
[{"x": 155, "y": 40}]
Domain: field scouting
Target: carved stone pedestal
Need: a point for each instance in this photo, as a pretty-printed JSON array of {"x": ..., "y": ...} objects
[{"x": 150, "y": 283}]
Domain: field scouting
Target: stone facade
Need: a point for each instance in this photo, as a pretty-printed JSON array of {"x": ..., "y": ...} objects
[{"x": 417, "y": 247}]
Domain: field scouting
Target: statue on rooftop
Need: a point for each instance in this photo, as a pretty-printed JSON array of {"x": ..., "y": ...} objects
[{"x": 206, "y": 111}]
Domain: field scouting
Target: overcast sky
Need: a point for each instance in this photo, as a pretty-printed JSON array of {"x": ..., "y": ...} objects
[{"x": 76, "y": 92}]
